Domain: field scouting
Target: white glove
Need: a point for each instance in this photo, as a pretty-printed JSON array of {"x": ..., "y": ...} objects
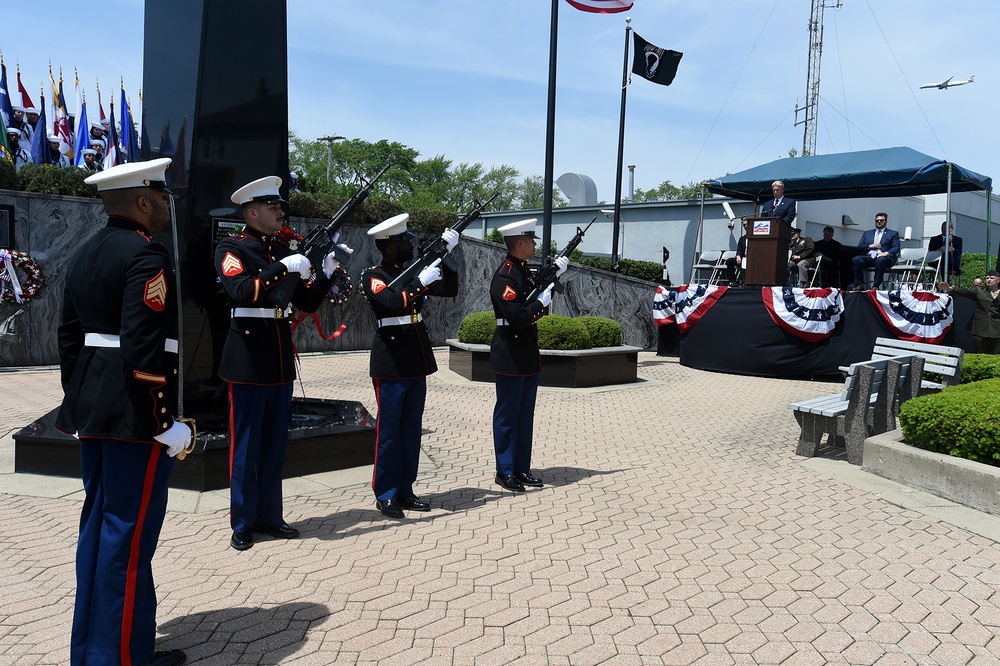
[
  {"x": 562, "y": 263},
  {"x": 330, "y": 263},
  {"x": 297, "y": 263},
  {"x": 175, "y": 438},
  {"x": 545, "y": 298},
  {"x": 430, "y": 274},
  {"x": 450, "y": 238}
]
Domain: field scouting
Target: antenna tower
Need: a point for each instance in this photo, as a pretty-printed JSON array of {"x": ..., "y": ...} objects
[{"x": 811, "y": 106}]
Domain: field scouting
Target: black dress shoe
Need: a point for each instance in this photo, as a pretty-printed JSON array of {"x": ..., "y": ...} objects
[
  {"x": 168, "y": 658},
  {"x": 242, "y": 540},
  {"x": 282, "y": 531},
  {"x": 414, "y": 503},
  {"x": 528, "y": 480},
  {"x": 509, "y": 481},
  {"x": 389, "y": 508}
]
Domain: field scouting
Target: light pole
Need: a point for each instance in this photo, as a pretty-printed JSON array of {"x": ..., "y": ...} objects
[{"x": 329, "y": 153}]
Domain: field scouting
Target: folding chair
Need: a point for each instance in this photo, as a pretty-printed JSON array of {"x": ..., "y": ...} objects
[
  {"x": 815, "y": 270},
  {"x": 708, "y": 261},
  {"x": 907, "y": 268}
]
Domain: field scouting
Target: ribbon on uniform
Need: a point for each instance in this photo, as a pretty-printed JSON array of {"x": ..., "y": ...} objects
[
  {"x": 916, "y": 316},
  {"x": 8, "y": 275},
  {"x": 691, "y": 302},
  {"x": 811, "y": 314}
]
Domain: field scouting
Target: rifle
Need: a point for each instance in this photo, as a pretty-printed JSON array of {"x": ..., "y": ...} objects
[
  {"x": 320, "y": 242},
  {"x": 547, "y": 275},
  {"x": 437, "y": 251}
]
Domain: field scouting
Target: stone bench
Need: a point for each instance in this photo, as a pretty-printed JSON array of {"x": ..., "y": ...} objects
[{"x": 868, "y": 405}]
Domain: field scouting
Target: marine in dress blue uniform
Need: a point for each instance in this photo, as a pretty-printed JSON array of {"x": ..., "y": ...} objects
[
  {"x": 262, "y": 277},
  {"x": 401, "y": 359},
  {"x": 118, "y": 362},
  {"x": 514, "y": 356}
]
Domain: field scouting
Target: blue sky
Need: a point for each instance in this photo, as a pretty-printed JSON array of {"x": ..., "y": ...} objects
[{"x": 468, "y": 79}]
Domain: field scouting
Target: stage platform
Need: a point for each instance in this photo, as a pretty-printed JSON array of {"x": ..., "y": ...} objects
[{"x": 737, "y": 335}]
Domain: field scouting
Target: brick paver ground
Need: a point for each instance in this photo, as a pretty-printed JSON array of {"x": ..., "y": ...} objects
[{"x": 677, "y": 526}]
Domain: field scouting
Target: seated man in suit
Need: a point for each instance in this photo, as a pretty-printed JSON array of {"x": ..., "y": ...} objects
[
  {"x": 734, "y": 264},
  {"x": 954, "y": 250},
  {"x": 830, "y": 264},
  {"x": 782, "y": 206},
  {"x": 879, "y": 247}
]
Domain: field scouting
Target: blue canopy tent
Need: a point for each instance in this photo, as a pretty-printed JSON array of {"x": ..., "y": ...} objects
[{"x": 886, "y": 172}]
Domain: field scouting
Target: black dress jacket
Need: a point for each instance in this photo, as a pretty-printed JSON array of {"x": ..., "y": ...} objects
[
  {"x": 121, "y": 284},
  {"x": 402, "y": 349},
  {"x": 259, "y": 350},
  {"x": 515, "y": 343}
]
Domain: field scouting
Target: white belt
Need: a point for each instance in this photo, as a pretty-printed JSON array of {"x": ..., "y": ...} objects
[
  {"x": 400, "y": 321},
  {"x": 502, "y": 322},
  {"x": 108, "y": 340},
  {"x": 262, "y": 313}
]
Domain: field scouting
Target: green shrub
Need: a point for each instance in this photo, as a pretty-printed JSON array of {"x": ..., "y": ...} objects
[
  {"x": 976, "y": 367},
  {"x": 477, "y": 328},
  {"x": 603, "y": 332},
  {"x": 557, "y": 332},
  {"x": 649, "y": 271},
  {"x": 959, "y": 421},
  {"x": 47, "y": 179},
  {"x": 8, "y": 176}
]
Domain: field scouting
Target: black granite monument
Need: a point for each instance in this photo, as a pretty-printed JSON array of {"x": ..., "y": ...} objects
[{"x": 215, "y": 100}]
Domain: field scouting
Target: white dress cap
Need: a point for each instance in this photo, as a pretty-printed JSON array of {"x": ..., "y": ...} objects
[
  {"x": 522, "y": 228},
  {"x": 133, "y": 174},
  {"x": 394, "y": 227},
  {"x": 263, "y": 189}
]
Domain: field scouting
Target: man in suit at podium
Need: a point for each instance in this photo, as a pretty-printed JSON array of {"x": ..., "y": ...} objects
[
  {"x": 879, "y": 247},
  {"x": 781, "y": 206}
]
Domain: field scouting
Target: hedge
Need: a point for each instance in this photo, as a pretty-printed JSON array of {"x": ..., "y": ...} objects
[
  {"x": 960, "y": 421},
  {"x": 554, "y": 331}
]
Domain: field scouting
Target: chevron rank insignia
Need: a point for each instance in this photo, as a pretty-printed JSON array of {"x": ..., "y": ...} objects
[
  {"x": 155, "y": 295},
  {"x": 376, "y": 285},
  {"x": 231, "y": 265},
  {"x": 508, "y": 293}
]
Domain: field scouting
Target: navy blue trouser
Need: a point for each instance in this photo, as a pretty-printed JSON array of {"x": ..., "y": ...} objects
[
  {"x": 397, "y": 434},
  {"x": 258, "y": 438},
  {"x": 514, "y": 421},
  {"x": 114, "y": 620}
]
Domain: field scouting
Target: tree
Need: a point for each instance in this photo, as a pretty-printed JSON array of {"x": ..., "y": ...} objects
[
  {"x": 530, "y": 194},
  {"x": 665, "y": 191}
]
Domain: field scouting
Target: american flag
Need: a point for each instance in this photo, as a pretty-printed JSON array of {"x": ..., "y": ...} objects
[{"x": 602, "y": 6}]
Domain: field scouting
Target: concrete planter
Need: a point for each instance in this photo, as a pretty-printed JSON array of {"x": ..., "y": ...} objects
[
  {"x": 582, "y": 368},
  {"x": 962, "y": 481}
]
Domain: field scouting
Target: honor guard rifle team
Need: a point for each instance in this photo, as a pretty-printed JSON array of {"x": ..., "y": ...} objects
[{"x": 119, "y": 364}]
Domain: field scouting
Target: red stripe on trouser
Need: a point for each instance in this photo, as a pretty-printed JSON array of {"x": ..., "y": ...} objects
[
  {"x": 232, "y": 432},
  {"x": 128, "y": 609},
  {"x": 378, "y": 421}
]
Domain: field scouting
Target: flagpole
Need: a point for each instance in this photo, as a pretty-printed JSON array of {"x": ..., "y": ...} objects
[
  {"x": 550, "y": 133},
  {"x": 616, "y": 222}
]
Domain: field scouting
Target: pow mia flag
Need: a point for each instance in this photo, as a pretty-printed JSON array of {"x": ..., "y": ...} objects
[{"x": 653, "y": 63}]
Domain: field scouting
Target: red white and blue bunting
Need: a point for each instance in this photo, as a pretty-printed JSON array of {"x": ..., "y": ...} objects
[
  {"x": 917, "y": 316},
  {"x": 686, "y": 305},
  {"x": 811, "y": 314}
]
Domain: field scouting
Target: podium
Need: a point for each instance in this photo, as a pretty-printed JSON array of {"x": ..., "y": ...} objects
[{"x": 767, "y": 251}]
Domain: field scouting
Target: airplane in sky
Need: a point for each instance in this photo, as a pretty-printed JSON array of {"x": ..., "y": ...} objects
[{"x": 948, "y": 84}]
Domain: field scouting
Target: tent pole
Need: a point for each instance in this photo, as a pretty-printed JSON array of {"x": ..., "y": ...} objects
[
  {"x": 945, "y": 249},
  {"x": 989, "y": 225},
  {"x": 700, "y": 236}
]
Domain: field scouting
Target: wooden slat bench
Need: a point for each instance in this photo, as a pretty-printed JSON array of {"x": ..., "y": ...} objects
[
  {"x": 867, "y": 406},
  {"x": 938, "y": 359}
]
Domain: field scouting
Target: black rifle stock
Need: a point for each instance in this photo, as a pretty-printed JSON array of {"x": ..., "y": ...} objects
[
  {"x": 320, "y": 242},
  {"x": 437, "y": 250},
  {"x": 547, "y": 275}
]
